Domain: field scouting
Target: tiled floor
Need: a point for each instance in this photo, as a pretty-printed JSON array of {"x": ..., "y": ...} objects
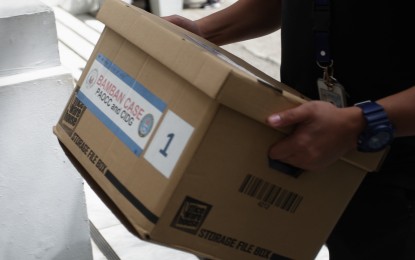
[{"x": 77, "y": 38}]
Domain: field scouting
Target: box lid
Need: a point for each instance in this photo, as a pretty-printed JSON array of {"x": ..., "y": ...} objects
[
  {"x": 217, "y": 73},
  {"x": 179, "y": 49}
]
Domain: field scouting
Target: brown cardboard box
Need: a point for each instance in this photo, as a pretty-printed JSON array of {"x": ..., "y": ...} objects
[{"x": 171, "y": 131}]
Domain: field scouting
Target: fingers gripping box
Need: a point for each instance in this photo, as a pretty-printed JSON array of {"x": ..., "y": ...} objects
[{"x": 169, "y": 130}]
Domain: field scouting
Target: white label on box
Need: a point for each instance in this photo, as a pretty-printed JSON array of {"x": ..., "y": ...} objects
[
  {"x": 122, "y": 104},
  {"x": 168, "y": 144}
]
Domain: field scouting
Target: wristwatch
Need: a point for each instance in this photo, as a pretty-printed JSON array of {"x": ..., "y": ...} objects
[{"x": 379, "y": 130}]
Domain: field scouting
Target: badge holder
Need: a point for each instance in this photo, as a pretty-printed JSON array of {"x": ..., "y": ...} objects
[{"x": 329, "y": 89}]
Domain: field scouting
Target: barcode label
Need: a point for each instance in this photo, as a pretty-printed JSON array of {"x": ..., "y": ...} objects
[{"x": 270, "y": 194}]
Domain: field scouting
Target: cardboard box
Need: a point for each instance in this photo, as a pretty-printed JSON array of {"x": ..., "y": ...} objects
[{"x": 171, "y": 131}]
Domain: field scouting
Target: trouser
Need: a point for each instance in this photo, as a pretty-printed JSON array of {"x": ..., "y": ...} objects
[{"x": 379, "y": 223}]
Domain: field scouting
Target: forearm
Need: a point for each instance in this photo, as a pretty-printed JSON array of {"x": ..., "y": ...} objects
[
  {"x": 246, "y": 19},
  {"x": 401, "y": 111}
]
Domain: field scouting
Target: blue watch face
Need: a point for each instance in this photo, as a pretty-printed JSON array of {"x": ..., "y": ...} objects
[{"x": 379, "y": 141}]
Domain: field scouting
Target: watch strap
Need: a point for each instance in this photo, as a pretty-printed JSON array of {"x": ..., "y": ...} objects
[
  {"x": 377, "y": 122},
  {"x": 373, "y": 113}
]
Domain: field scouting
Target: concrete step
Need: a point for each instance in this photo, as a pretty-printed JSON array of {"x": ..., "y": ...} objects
[
  {"x": 28, "y": 37},
  {"x": 42, "y": 197}
]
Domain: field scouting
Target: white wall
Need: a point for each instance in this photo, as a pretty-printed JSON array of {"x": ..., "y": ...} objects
[
  {"x": 28, "y": 36},
  {"x": 42, "y": 202}
]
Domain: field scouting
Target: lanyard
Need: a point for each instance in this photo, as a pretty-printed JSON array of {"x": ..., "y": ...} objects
[
  {"x": 321, "y": 31},
  {"x": 329, "y": 88}
]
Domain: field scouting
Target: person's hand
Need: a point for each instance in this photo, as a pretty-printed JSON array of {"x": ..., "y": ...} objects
[
  {"x": 184, "y": 23},
  {"x": 322, "y": 134}
]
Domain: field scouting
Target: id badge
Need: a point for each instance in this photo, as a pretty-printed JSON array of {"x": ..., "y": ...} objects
[{"x": 333, "y": 92}]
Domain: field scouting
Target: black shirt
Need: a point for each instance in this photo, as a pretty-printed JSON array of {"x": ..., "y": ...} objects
[{"x": 373, "y": 56}]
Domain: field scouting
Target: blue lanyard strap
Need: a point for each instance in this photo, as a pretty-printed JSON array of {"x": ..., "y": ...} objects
[{"x": 321, "y": 31}]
